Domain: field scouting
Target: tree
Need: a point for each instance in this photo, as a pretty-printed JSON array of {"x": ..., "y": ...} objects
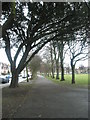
[
  {"x": 32, "y": 32},
  {"x": 35, "y": 65},
  {"x": 78, "y": 51},
  {"x": 46, "y": 58},
  {"x": 68, "y": 69},
  {"x": 52, "y": 60},
  {"x": 82, "y": 69},
  {"x": 61, "y": 45},
  {"x": 59, "y": 53},
  {"x": 56, "y": 57},
  {"x": 45, "y": 68}
]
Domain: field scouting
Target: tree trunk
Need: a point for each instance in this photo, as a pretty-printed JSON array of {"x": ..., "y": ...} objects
[
  {"x": 57, "y": 76},
  {"x": 57, "y": 69},
  {"x": 27, "y": 73},
  {"x": 73, "y": 71},
  {"x": 61, "y": 49},
  {"x": 14, "y": 80},
  {"x": 73, "y": 74},
  {"x": 53, "y": 70},
  {"x": 52, "y": 61},
  {"x": 62, "y": 71}
]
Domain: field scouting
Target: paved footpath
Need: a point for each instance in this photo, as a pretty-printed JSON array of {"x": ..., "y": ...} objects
[{"x": 50, "y": 100}]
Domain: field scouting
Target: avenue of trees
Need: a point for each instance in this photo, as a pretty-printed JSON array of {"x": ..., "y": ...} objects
[
  {"x": 43, "y": 23},
  {"x": 56, "y": 52}
]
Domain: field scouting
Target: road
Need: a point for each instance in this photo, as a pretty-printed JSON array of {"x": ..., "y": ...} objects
[{"x": 50, "y": 100}]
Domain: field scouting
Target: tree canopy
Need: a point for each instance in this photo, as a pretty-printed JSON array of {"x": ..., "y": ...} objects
[{"x": 42, "y": 23}]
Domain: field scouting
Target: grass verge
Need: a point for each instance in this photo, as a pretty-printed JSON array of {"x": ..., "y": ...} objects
[{"x": 81, "y": 80}]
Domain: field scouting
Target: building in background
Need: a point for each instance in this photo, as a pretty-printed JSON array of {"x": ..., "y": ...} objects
[{"x": 4, "y": 68}]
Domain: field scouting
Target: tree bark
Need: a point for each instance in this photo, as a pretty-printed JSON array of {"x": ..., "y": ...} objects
[
  {"x": 73, "y": 74},
  {"x": 27, "y": 73},
  {"x": 73, "y": 71},
  {"x": 61, "y": 49},
  {"x": 62, "y": 71},
  {"x": 52, "y": 62},
  {"x": 14, "y": 81},
  {"x": 57, "y": 69},
  {"x": 56, "y": 61},
  {"x": 53, "y": 71}
]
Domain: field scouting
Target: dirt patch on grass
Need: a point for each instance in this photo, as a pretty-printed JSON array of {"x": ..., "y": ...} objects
[{"x": 13, "y": 98}]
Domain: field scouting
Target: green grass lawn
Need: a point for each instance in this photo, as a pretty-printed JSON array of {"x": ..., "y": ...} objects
[{"x": 80, "y": 79}]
